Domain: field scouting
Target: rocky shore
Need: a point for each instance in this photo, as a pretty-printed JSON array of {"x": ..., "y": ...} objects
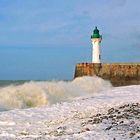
[{"x": 121, "y": 122}]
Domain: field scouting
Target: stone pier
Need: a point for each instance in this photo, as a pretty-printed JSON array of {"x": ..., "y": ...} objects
[{"x": 119, "y": 74}]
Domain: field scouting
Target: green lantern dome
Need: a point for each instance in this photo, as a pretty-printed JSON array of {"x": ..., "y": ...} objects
[{"x": 96, "y": 33}]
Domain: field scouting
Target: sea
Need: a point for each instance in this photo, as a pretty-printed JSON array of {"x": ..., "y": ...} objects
[{"x": 22, "y": 94}]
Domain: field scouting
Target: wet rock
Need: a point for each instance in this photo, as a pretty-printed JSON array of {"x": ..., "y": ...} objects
[
  {"x": 121, "y": 122},
  {"x": 112, "y": 116},
  {"x": 124, "y": 106},
  {"x": 97, "y": 120},
  {"x": 136, "y": 112},
  {"x": 132, "y": 122},
  {"x": 97, "y": 115},
  {"x": 119, "y": 112},
  {"x": 114, "y": 123},
  {"x": 108, "y": 128},
  {"x": 119, "y": 117},
  {"x": 127, "y": 110},
  {"x": 125, "y": 115},
  {"x": 110, "y": 111},
  {"x": 131, "y": 134},
  {"x": 138, "y": 130},
  {"x": 87, "y": 129},
  {"x": 136, "y": 105},
  {"x": 89, "y": 121},
  {"x": 25, "y": 133},
  {"x": 84, "y": 123},
  {"x": 104, "y": 117}
]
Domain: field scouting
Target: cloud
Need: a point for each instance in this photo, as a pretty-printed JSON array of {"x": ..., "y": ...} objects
[{"x": 68, "y": 19}]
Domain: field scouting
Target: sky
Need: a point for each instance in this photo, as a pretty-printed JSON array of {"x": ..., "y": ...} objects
[{"x": 44, "y": 39}]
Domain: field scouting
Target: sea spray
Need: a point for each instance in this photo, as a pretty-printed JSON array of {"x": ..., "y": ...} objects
[
  {"x": 23, "y": 96},
  {"x": 35, "y": 94}
]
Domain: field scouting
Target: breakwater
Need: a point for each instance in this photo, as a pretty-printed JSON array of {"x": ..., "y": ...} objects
[{"x": 119, "y": 74}]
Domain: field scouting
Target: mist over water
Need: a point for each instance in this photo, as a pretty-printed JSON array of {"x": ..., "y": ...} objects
[{"x": 36, "y": 94}]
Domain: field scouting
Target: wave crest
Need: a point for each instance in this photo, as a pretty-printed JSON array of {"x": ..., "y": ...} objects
[{"x": 35, "y": 94}]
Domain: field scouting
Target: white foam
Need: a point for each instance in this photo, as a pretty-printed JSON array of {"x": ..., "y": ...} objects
[
  {"x": 64, "y": 121},
  {"x": 35, "y": 94}
]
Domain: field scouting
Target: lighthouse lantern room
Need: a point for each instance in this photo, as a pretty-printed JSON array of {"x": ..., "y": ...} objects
[{"x": 96, "y": 39}]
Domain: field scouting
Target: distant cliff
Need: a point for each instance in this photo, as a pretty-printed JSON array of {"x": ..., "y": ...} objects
[{"x": 118, "y": 73}]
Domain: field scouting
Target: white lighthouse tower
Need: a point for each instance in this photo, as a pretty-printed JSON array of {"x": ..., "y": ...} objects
[{"x": 96, "y": 39}]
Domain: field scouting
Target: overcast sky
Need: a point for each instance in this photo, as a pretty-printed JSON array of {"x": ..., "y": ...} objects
[{"x": 69, "y": 23}]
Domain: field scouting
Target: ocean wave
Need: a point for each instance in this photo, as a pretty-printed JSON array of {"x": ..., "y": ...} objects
[{"x": 36, "y": 94}]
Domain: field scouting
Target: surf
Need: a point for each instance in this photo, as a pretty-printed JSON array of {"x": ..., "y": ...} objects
[{"x": 42, "y": 93}]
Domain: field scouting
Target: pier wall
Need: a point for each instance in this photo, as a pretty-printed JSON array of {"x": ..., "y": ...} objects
[{"x": 118, "y": 73}]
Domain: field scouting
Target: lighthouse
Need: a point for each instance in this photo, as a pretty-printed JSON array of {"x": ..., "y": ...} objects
[{"x": 96, "y": 39}]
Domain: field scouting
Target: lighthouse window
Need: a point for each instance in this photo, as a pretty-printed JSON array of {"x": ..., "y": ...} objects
[{"x": 99, "y": 56}]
